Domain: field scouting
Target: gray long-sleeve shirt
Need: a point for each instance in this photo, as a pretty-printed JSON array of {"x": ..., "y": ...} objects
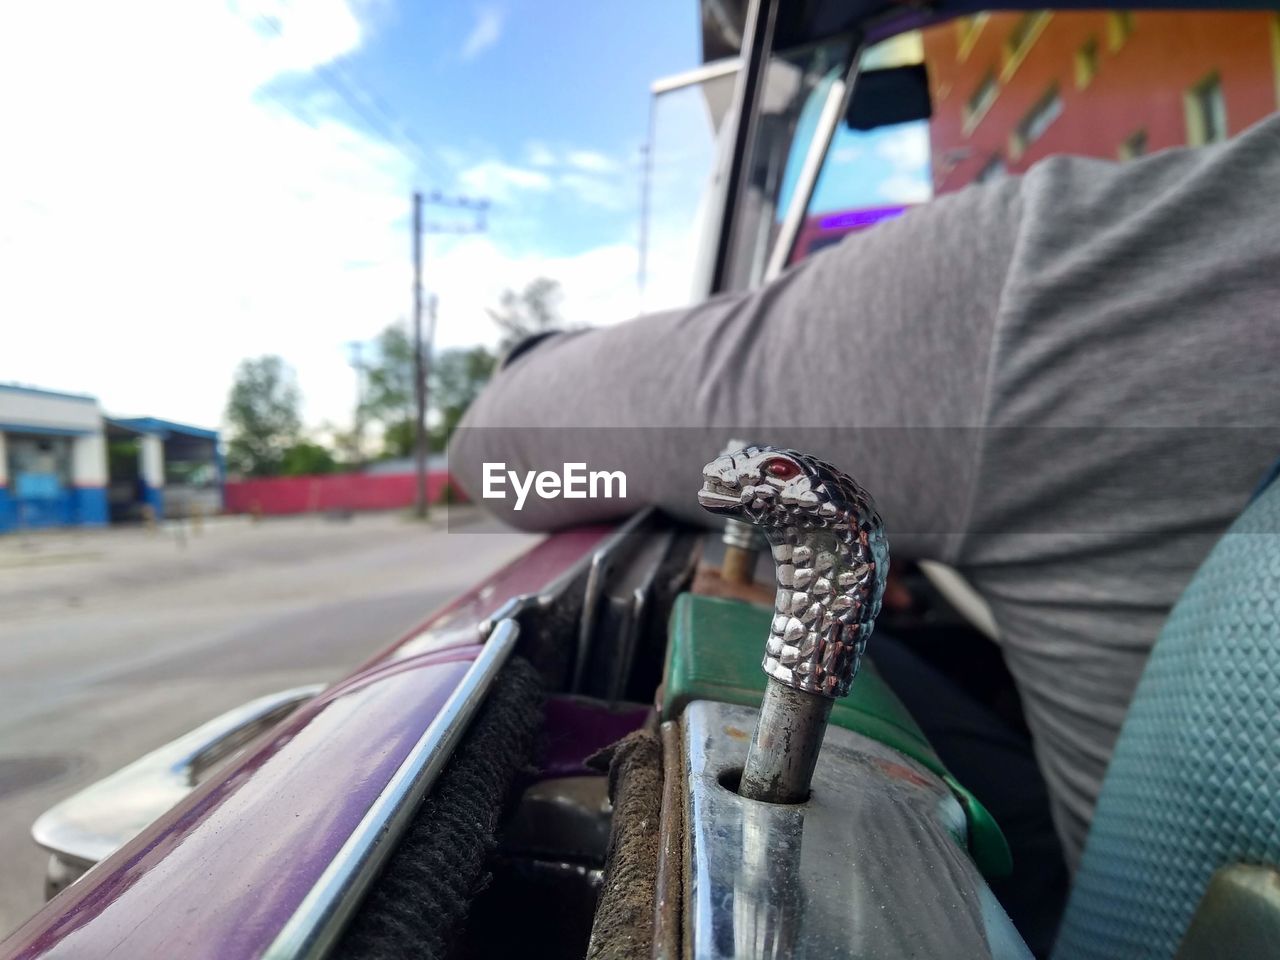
[{"x": 1064, "y": 384}]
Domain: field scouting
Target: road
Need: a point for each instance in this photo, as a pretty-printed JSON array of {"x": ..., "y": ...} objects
[{"x": 113, "y": 642}]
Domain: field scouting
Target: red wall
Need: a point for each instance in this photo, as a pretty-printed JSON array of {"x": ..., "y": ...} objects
[
  {"x": 1138, "y": 86},
  {"x": 339, "y": 491}
]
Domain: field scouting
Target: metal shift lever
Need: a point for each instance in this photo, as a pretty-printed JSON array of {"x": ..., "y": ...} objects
[
  {"x": 743, "y": 540},
  {"x": 831, "y": 558}
]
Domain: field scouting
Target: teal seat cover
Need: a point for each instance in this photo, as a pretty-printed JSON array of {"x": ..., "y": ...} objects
[{"x": 1194, "y": 783}]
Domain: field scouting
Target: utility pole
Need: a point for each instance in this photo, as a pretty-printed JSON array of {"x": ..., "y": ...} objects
[
  {"x": 428, "y": 355},
  {"x": 420, "y": 505},
  {"x": 420, "y": 353},
  {"x": 646, "y": 181},
  {"x": 356, "y": 349}
]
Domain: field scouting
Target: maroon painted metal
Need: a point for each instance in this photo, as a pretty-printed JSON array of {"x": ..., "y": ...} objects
[
  {"x": 221, "y": 873},
  {"x": 576, "y": 728}
]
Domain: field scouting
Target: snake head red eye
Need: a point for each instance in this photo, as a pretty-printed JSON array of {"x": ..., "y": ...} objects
[{"x": 781, "y": 468}]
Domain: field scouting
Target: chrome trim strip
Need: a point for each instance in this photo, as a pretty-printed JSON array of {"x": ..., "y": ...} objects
[
  {"x": 708, "y": 71},
  {"x": 321, "y": 916},
  {"x": 512, "y": 609},
  {"x": 98, "y": 820}
]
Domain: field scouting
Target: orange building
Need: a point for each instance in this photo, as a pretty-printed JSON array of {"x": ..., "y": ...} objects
[{"x": 1011, "y": 88}]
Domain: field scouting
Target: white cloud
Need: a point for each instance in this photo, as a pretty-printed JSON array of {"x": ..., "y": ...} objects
[
  {"x": 299, "y": 36},
  {"x": 485, "y": 33},
  {"x": 162, "y": 218},
  {"x": 540, "y": 155},
  {"x": 501, "y": 182},
  {"x": 901, "y": 188},
  {"x": 587, "y": 177},
  {"x": 602, "y": 193},
  {"x": 599, "y": 285},
  {"x": 847, "y": 153},
  {"x": 906, "y": 147},
  {"x": 591, "y": 161},
  {"x": 451, "y": 156}
]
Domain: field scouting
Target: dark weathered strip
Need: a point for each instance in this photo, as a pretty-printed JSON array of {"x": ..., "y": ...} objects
[{"x": 623, "y": 928}]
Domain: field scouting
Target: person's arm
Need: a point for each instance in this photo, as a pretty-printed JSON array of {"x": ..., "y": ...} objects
[{"x": 873, "y": 354}]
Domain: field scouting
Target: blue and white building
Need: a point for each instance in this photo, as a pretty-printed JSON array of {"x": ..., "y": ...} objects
[
  {"x": 53, "y": 459},
  {"x": 172, "y": 469},
  {"x": 62, "y": 463}
]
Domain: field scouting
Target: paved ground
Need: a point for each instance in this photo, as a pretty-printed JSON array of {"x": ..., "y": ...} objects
[{"x": 113, "y": 642}]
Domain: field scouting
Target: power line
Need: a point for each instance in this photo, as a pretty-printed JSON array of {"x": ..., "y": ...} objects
[{"x": 368, "y": 106}]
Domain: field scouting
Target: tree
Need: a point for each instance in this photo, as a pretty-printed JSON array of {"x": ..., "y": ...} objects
[
  {"x": 398, "y": 439},
  {"x": 340, "y": 444},
  {"x": 533, "y": 310},
  {"x": 263, "y": 416},
  {"x": 456, "y": 378},
  {"x": 306, "y": 458},
  {"x": 388, "y": 391}
]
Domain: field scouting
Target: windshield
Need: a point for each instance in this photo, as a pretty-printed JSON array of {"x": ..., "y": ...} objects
[
  {"x": 687, "y": 138},
  {"x": 686, "y": 125},
  {"x": 1010, "y": 89},
  {"x": 798, "y": 86}
]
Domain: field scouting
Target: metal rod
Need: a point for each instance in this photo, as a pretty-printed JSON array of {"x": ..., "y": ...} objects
[
  {"x": 357, "y": 364},
  {"x": 743, "y": 541},
  {"x": 784, "y": 749},
  {"x": 739, "y": 566}
]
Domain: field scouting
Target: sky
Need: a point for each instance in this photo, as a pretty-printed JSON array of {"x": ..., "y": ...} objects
[{"x": 185, "y": 185}]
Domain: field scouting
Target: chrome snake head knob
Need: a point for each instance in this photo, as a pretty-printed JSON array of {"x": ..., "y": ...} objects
[{"x": 830, "y": 555}]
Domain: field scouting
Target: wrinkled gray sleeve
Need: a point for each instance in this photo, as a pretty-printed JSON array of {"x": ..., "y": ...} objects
[
  {"x": 1134, "y": 404},
  {"x": 874, "y": 354}
]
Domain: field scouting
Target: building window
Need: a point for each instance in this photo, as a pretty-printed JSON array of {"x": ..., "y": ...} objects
[
  {"x": 1119, "y": 28},
  {"x": 993, "y": 169},
  {"x": 1134, "y": 146},
  {"x": 1206, "y": 112},
  {"x": 1036, "y": 122},
  {"x": 1086, "y": 63},
  {"x": 39, "y": 466},
  {"x": 1275, "y": 50},
  {"x": 967, "y": 31},
  {"x": 981, "y": 101},
  {"x": 1021, "y": 39}
]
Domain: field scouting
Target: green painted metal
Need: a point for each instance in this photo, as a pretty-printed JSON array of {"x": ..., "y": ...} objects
[{"x": 714, "y": 654}]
